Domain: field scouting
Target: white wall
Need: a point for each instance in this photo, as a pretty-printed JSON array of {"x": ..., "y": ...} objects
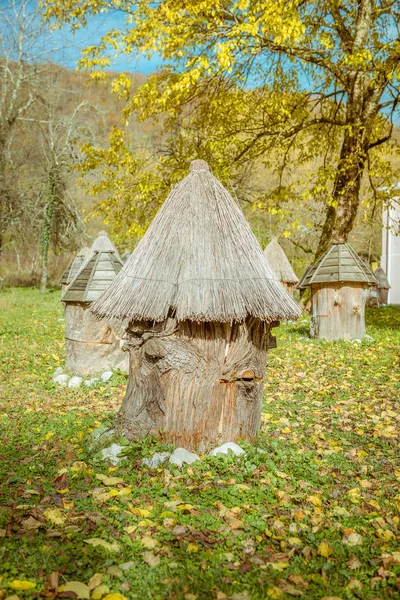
[{"x": 390, "y": 260}]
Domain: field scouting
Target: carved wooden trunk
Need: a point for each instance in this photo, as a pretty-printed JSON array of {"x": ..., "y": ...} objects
[
  {"x": 338, "y": 312},
  {"x": 197, "y": 383},
  {"x": 92, "y": 346}
]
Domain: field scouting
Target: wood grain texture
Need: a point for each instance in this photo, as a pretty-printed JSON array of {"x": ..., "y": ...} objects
[
  {"x": 197, "y": 383},
  {"x": 338, "y": 311},
  {"x": 92, "y": 346}
]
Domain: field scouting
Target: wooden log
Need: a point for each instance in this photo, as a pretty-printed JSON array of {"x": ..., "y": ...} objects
[
  {"x": 198, "y": 383},
  {"x": 92, "y": 346},
  {"x": 338, "y": 311}
]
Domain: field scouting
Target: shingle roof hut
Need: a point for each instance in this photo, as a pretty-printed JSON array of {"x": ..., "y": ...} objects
[
  {"x": 280, "y": 265},
  {"x": 73, "y": 268},
  {"x": 383, "y": 286},
  {"x": 92, "y": 346},
  {"x": 201, "y": 300},
  {"x": 340, "y": 283}
]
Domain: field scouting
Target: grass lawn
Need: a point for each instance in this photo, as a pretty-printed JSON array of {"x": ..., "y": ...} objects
[{"x": 315, "y": 515}]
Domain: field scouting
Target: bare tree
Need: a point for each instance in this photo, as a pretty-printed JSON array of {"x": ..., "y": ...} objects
[
  {"x": 21, "y": 62},
  {"x": 61, "y": 132}
]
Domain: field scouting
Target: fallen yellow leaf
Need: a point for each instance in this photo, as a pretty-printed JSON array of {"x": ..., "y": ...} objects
[
  {"x": 79, "y": 588},
  {"x": 21, "y": 584},
  {"x": 112, "y": 547},
  {"x": 325, "y": 549}
]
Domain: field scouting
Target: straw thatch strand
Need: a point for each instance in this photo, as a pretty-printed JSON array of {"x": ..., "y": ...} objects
[
  {"x": 279, "y": 262},
  {"x": 200, "y": 260}
]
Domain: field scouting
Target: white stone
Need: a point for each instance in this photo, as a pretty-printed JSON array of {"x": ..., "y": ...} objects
[
  {"x": 75, "y": 382},
  {"x": 224, "y": 449},
  {"x": 58, "y": 371},
  {"x": 357, "y": 341},
  {"x": 156, "y": 460},
  {"x": 368, "y": 338},
  {"x": 106, "y": 376},
  {"x": 90, "y": 382},
  {"x": 112, "y": 453},
  {"x": 61, "y": 380},
  {"x": 180, "y": 456},
  {"x": 61, "y": 320}
]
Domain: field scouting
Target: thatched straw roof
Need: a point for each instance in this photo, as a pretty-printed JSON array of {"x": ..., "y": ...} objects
[
  {"x": 339, "y": 264},
  {"x": 278, "y": 260},
  {"x": 199, "y": 260},
  {"x": 94, "y": 277},
  {"x": 381, "y": 278},
  {"x": 74, "y": 266}
]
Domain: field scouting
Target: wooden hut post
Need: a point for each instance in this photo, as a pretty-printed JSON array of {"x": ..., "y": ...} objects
[
  {"x": 92, "y": 345},
  {"x": 340, "y": 282},
  {"x": 201, "y": 300},
  {"x": 281, "y": 266}
]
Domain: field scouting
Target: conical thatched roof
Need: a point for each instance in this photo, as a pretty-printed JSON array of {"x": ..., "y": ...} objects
[
  {"x": 381, "y": 278},
  {"x": 94, "y": 277},
  {"x": 278, "y": 260},
  {"x": 339, "y": 264},
  {"x": 74, "y": 266},
  {"x": 200, "y": 260}
]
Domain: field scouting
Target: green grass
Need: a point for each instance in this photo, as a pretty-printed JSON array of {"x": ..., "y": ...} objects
[{"x": 254, "y": 527}]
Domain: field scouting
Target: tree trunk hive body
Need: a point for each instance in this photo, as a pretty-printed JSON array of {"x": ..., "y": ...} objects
[
  {"x": 93, "y": 345},
  {"x": 338, "y": 312},
  {"x": 200, "y": 300},
  {"x": 199, "y": 383},
  {"x": 340, "y": 286}
]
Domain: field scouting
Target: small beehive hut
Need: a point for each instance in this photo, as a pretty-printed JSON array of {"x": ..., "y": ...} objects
[
  {"x": 281, "y": 266},
  {"x": 340, "y": 282},
  {"x": 200, "y": 300},
  {"x": 72, "y": 270},
  {"x": 92, "y": 346},
  {"x": 383, "y": 286}
]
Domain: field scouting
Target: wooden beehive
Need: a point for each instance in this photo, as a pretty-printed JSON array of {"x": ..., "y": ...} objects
[
  {"x": 201, "y": 301},
  {"x": 73, "y": 268},
  {"x": 383, "y": 286},
  {"x": 92, "y": 345},
  {"x": 340, "y": 282}
]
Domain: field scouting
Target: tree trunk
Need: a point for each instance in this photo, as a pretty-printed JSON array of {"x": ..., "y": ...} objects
[
  {"x": 5, "y": 205},
  {"x": 338, "y": 310},
  {"x": 47, "y": 225},
  {"x": 341, "y": 214},
  {"x": 195, "y": 384}
]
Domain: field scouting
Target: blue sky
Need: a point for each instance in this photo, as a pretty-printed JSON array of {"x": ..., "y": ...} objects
[{"x": 98, "y": 25}]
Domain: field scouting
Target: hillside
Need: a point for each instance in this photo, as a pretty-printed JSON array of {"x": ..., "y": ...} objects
[{"x": 63, "y": 91}]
